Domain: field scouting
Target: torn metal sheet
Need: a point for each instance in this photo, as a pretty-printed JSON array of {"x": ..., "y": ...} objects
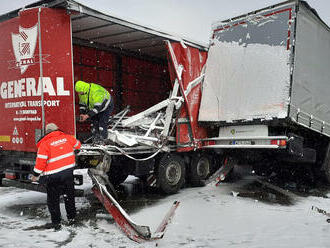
[{"x": 134, "y": 231}]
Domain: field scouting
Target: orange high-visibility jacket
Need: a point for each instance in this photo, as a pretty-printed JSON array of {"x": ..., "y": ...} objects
[{"x": 56, "y": 153}]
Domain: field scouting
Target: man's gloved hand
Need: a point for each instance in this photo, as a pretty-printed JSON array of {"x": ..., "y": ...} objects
[
  {"x": 83, "y": 117},
  {"x": 34, "y": 178}
]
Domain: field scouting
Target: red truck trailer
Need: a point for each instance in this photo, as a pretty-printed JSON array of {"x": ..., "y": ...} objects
[{"x": 48, "y": 45}]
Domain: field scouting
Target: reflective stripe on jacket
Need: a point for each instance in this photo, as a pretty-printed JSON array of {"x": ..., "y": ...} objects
[{"x": 56, "y": 153}]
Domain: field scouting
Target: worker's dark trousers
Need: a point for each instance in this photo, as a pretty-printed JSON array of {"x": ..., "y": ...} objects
[
  {"x": 58, "y": 184},
  {"x": 100, "y": 122}
]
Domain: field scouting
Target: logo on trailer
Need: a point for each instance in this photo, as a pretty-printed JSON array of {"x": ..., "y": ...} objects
[{"x": 24, "y": 44}]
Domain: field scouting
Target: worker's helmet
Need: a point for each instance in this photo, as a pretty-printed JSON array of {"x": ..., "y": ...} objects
[
  {"x": 51, "y": 127},
  {"x": 82, "y": 86}
]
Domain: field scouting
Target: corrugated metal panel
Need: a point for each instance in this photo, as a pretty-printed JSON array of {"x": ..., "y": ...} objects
[
  {"x": 144, "y": 83},
  {"x": 87, "y": 24},
  {"x": 95, "y": 30},
  {"x": 93, "y": 27}
]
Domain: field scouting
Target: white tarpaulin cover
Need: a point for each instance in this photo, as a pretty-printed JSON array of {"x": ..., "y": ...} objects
[
  {"x": 245, "y": 82},
  {"x": 249, "y": 66}
]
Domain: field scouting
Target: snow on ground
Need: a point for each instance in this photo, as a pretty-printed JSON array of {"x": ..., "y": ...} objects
[{"x": 207, "y": 217}]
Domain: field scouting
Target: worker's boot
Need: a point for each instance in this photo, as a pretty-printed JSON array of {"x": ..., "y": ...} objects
[
  {"x": 72, "y": 222},
  {"x": 52, "y": 225},
  {"x": 57, "y": 227}
]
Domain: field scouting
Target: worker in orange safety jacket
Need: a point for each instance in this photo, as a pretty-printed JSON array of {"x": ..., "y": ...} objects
[{"x": 54, "y": 165}]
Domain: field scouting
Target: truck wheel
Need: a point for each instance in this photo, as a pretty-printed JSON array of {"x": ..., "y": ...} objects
[
  {"x": 119, "y": 170},
  {"x": 200, "y": 168},
  {"x": 117, "y": 176},
  {"x": 171, "y": 173}
]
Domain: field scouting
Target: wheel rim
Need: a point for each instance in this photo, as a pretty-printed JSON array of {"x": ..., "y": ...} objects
[
  {"x": 173, "y": 173},
  {"x": 203, "y": 167}
]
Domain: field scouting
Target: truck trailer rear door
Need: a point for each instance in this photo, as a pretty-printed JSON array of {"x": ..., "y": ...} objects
[
  {"x": 187, "y": 64},
  {"x": 248, "y": 71}
]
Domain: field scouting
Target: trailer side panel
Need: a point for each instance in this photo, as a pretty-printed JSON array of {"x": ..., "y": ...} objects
[{"x": 310, "y": 102}]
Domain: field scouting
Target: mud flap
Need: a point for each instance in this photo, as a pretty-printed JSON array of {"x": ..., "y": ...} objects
[{"x": 135, "y": 232}]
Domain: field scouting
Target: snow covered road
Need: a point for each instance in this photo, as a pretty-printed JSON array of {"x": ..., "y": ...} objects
[{"x": 207, "y": 217}]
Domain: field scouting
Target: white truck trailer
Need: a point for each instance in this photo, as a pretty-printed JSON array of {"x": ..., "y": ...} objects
[{"x": 267, "y": 85}]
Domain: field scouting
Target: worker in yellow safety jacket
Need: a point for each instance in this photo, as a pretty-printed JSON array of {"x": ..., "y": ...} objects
[{"x": 95, "y": 103}]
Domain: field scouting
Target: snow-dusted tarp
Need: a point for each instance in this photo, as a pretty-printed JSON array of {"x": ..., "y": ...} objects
[{"x": 248, "y": 68}]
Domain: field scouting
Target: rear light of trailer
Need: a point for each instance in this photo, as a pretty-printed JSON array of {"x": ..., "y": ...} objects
[
  {"x": 209, "y": 143},
  {"x": 10, "y": 175},
  {"x": 279, "y": 142}
]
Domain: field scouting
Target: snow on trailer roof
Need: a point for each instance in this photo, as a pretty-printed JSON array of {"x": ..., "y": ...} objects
[
  {"x": 305, "y": 3},
  {"x": 92, "y": 27}
]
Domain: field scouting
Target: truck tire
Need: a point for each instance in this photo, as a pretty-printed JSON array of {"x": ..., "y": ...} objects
[
  {"x": 171, "y": 173},
  {"x": 119, "y": 170},
  {"x": 200, "y": 168},
  {"x": 117, "y": 176}
]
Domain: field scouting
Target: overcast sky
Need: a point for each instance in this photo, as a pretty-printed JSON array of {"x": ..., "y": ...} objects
[{"x": 191, "y": 19}]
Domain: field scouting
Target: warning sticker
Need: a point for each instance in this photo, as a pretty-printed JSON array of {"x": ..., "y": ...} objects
[{"x": 4, "y": 138}]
